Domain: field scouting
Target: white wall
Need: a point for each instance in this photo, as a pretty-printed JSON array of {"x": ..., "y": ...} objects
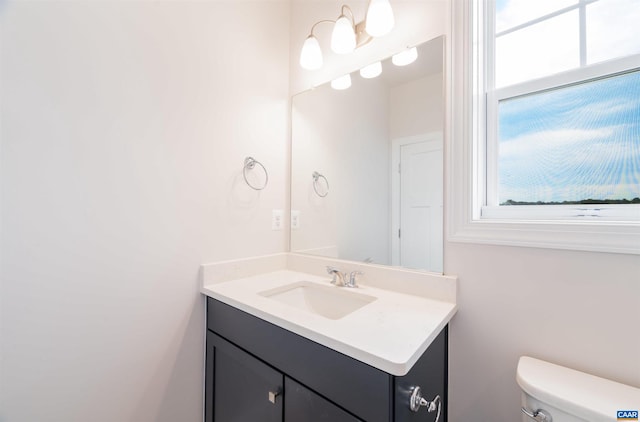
[
  {"x": 416, "y": 107},
  {"x": 577, "y": 309},
  {"x": 124, "y": 127}
]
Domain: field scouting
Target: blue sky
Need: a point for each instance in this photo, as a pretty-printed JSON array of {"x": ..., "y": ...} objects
[{"x": 573, "y": 143}]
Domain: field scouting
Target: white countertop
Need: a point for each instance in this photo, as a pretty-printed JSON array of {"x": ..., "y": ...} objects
[{"x": 390, "y": 333}]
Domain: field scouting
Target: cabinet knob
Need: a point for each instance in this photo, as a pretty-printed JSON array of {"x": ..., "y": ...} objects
[
  {"x": 273, "y": 395},
  {"x": 417, "y": 401}
]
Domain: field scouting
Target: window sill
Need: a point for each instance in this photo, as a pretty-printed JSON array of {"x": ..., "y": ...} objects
[
  {"x": 596, "y": 236},
  {"x": 587, "y": 213}
]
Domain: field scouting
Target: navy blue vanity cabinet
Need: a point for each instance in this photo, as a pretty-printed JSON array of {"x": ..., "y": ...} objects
[{"x": 257, "y": 371}]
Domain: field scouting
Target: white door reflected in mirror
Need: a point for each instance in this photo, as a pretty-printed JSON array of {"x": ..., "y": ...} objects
[{"x": 420, "y": 217}]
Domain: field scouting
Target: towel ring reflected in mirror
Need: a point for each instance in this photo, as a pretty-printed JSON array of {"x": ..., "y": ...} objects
[
  {"x": 316, "y": 182},
  {"x": 249, "y": 164}
]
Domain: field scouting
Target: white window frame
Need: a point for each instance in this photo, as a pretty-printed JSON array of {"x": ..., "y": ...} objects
[{"x": 472, "y": 217}]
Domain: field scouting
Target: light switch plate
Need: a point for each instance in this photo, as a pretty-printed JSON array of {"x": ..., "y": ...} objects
[
  {"x": 295, "y": 219},
  {"x": 276, "y": 219}
]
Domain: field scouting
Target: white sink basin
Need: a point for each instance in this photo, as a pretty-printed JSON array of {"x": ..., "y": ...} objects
[{"x": 328, "y": 301}]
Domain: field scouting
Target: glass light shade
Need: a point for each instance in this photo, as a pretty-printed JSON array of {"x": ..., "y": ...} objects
[
  {"x": 405, "y": 57},
  {"x": 379, "y": 18},
  {"x": 371, "y": 71},
  {"x": 343, "y": 37},
  {"x": 311, "y": 55},
  {"x": 343, "y": 82}
]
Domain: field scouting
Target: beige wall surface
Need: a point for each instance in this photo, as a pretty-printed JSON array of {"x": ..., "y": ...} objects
[
  {"x": 124, "y": 128},
  {"x": 576, "y": 309},
  {"x": 416, "y": 107}
]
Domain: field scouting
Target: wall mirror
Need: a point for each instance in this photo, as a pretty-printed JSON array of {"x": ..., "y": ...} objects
[{"x": 367, "y": 165}]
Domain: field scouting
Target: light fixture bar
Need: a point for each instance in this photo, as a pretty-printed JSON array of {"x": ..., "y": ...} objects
[{"x": 362, "y": 36}]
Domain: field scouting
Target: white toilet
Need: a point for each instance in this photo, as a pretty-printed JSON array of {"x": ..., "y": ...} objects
[{"x": 552, "y": 393}]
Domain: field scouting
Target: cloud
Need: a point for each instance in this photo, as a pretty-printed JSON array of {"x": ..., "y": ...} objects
[
  {"x": 571, "y": 164},
  {"x": 610, "y": 102},
  {"x": 610, "y": 107},
  {"x": 550, "y": 140}
]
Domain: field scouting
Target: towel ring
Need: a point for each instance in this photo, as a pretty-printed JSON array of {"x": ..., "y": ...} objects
[
  {"x": 317, "y": 176},
  {"x": 249, "y": 164}
]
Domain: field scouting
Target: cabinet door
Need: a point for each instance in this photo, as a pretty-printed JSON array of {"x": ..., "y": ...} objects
[
  {"x": 430, "y": 372},
  {"x": 243, "y": 386},
  {"x": 303, "y": 404}
]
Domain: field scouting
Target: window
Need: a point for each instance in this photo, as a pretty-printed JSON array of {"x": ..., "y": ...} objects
[
  {"x": 544, "y": 124},
  {"x": 562, "y": 110}
]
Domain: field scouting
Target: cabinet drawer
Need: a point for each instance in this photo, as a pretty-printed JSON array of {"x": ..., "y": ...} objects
[{"x": 363, "y": 389}]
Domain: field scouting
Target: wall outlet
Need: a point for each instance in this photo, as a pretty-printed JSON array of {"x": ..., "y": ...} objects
[
  {"x": 276, "y": 219},
  {"x": 295, "y": 219}
]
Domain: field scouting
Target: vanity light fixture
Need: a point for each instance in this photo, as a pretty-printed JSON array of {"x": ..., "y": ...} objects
[
  {"x": 371, "y": 71},
  {"x": 347, "y": 35},
  {"x": 343, "y": 82},
  {"x": 405, "y": 57},
  {"x": 343, "y": 37},
  {"x": 311, "y": 54},
  {"x": 379, "y": 18}
]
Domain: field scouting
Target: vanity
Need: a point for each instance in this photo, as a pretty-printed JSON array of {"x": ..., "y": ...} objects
[
  {"x": 282, "y": 342},
  {"x": 287, "y": 345}
]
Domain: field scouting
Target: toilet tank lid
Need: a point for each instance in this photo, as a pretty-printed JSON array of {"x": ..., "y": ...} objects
[{"x": 583, "y": 395}]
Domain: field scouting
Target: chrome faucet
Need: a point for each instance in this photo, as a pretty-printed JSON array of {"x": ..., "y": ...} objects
[{"x": 340, "y": 278}]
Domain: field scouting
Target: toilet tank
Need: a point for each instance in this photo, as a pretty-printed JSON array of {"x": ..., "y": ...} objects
[{"x": 572, "y": 396}]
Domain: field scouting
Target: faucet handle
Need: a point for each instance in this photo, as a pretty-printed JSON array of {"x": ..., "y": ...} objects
[{"x": 353, "y": 278}]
